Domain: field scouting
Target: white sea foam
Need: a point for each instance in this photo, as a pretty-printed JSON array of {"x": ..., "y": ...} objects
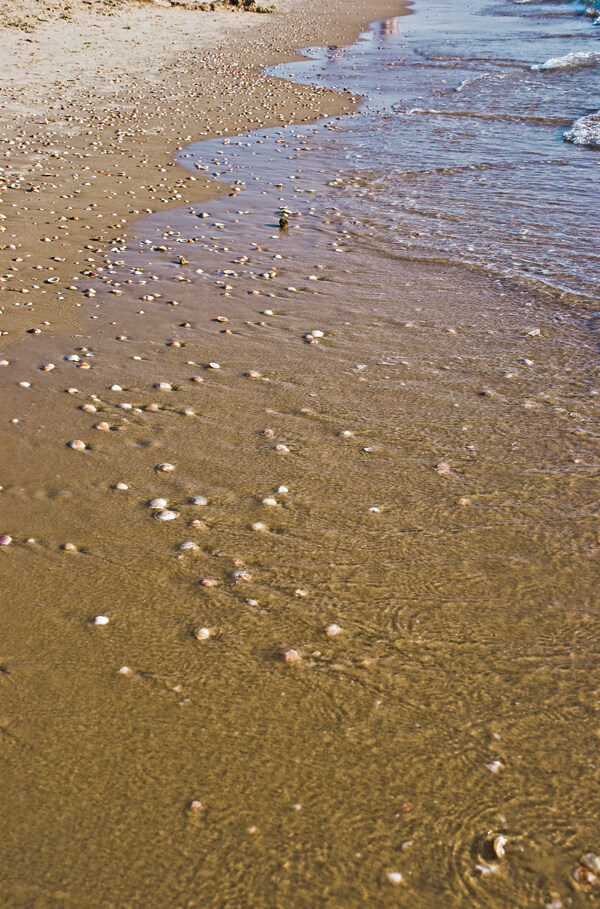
[
  {"x": 570, "y": 61},
  {"x": 585, "y": 131}
]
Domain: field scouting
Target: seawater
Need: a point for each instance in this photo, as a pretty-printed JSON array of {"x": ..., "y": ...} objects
[{"x": 458, "y": 151}]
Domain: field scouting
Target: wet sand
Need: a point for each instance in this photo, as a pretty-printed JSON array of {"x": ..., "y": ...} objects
[{"x": 379, "y": 653}]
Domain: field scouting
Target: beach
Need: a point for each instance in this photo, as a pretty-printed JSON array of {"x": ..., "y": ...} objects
[{"x": 299, "y": 527}]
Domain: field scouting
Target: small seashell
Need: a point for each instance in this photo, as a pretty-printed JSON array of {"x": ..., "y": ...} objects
[
  {"x": 498, "y": 846},
  {"x": 89, "y": 408},
  {"x": 214, "y": 366},
  {"x": 332, "y": 630},
  {"x": 196, "y": 379},
  {"x": 163, "y": 386},
  {"x": 69, "y": 547},
  {"x": 5, "y": 540},
  {"x": 152, "y": 408},
  {"x": 124, "y": 670},
  {"x": 103, "y": 426},
  {"x": 165, "y": 467},
  {"x": 442, "y": 468},
  {"x": 267, "y": 432},
  {"x": 258, "y": 526},
  {"x": 158, "y": 503},
  {"x": 199, "y": 500},
  {"x": 100, "y": 620},
  {"x": 495, "y": 766},
  {"x": 394, "y": 877},
  {"x": 208, "y": 582},
  {"x": 72, "y": 358},
  {"x": 77, "y": 445},
  {"x": 269, "y": 501},
  {"x": 585, "y": 877},
  {"x": 241, "y": 575},
  {"x": 47, "y": 367},
  {"x": 591, "y": 861},
  {"x": 195, "y": 806},
  {"x": 121, "y": 486},
  {"x": 282, "y": 490},
  {"x": 202, "y": 634},
  {"x": 317, "y": 333},
  {"x": 281, "y": 447},
  {"x": 291, "y": 656},
  {"x": 167, "y": 515},
  {"x": 115, "y": 388},
  {"x": 189, "y": 544}
]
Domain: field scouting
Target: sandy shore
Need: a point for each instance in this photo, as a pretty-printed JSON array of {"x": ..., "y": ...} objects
[{"x": 95, "y": 101}]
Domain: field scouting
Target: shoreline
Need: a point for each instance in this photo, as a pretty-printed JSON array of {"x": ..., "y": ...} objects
[{"x": 64, "y": 195}]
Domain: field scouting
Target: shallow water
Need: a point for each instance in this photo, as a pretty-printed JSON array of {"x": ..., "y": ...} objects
[{"x": 441, "y": 508}]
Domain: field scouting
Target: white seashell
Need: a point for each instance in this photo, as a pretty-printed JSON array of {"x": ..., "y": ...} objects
[
  {"x": 282, "y": 490},
  {"x": 72, "y": 358},
  {"x": 394, "y": 877},
  {"x": 121, "y": 486},
  {"x": 199, "y": 500},
  {"x": 202, "y": 634},
  {"x": 163, "y": 386},
  {"x": 100, "y": 620},
  {"x": 214, "y": 366},
  {"x": 189, "y": 544},
  {"x": 77, "y": 444},
  {"x": 591, "y": 862},
  {"x": 269, "y": 501},
  {"x": 167, "y": 515},
  {"x": 158, "y": 503},
  {"x": 499, "y": 844},
  {"x": 165, "y": 467},
  {"x": 332, "y": 630},
  {"x": 317, "y": 333},
  {"x": 115, "y": 388},
  {"x": 25, "y": 384}
]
